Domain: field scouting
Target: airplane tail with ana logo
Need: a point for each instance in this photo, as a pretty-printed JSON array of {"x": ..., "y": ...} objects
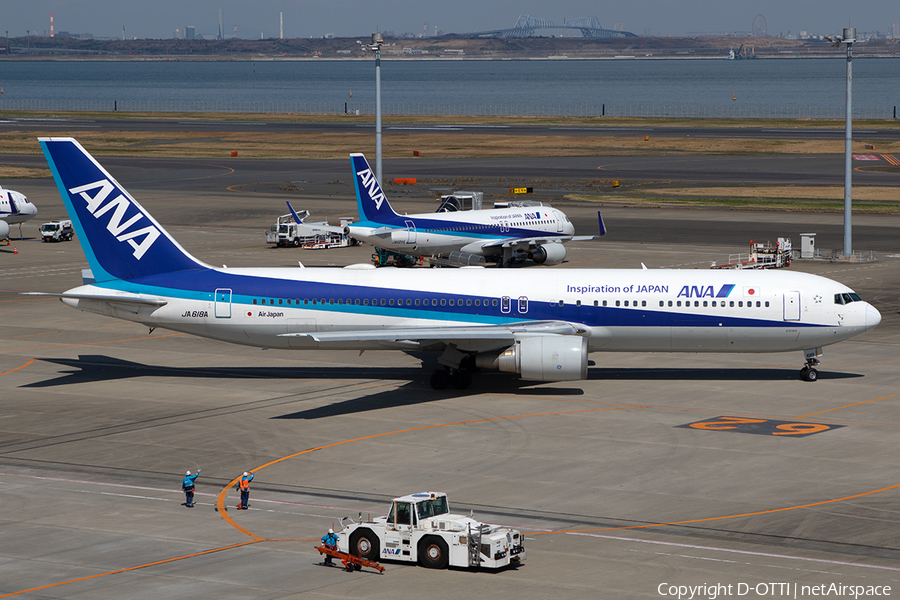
[
  {"x": 370, "y": 199},
  {"x": 119, "y": 238}
]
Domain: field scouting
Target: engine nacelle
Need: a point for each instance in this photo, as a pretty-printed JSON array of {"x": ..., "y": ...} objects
[
  {"x": 541, "y": 358},
  {"x": 4, "y": 230},
  {"x": 549, "y": 254}
]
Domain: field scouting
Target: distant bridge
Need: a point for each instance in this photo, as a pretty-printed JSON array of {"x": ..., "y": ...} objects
[{"x": 526, "y": 25}]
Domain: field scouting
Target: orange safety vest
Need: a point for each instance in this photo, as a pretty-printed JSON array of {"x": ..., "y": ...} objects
[{"x": 244, "y": 485}]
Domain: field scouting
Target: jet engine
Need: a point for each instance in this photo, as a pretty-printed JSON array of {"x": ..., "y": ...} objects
[
  {"x": 549, "y": 254},
  {"x": 4, "y": 230},
  {"x": 541, "y": 358}
]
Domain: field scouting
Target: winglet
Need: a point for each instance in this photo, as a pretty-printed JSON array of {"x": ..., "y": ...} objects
[
  {"x": 370, "y": 199},
  {"x": 602, "y": 224}
]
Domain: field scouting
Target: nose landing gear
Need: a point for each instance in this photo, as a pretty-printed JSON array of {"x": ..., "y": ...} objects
[{"x": 809, "y": 372}]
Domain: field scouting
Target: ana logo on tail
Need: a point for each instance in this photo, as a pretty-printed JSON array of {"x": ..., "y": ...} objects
[
  {"x": 371, "y": 184},
  {"x": 119, "y": 206}
]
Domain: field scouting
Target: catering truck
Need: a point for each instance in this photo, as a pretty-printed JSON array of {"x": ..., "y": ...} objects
[{"x": 421, "y": 529}]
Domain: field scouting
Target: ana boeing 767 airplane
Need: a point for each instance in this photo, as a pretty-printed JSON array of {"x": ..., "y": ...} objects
[{"x": 540, "y": 324}]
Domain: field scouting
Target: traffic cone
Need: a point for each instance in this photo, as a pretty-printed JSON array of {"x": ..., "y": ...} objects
[{"x": 15, "y": 250}]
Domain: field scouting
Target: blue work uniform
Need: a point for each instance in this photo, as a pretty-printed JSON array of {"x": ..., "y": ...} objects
[
  {"x": 330, "y": 541},
  {"x": 244, "y": 487},
  {"x": 187, "y": 485}
]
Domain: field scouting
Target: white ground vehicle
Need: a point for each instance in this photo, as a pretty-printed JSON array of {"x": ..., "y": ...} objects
[
  {"x": 57, "y": 231},
  {"x": 762, "y": 255},
  {"x": 420, "y": 528},
  {"x": 287, "y": 231}
]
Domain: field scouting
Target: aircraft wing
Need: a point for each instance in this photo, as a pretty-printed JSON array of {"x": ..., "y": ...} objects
[
  {"x": 532, "y": 241},
  {"x": 448, "y": 334},
  {"x": 537, "y": 241},
  {"x": 132, "y": 300}
]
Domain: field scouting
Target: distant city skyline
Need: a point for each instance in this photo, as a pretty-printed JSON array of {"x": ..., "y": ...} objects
[{"x": 357, "y": 18}]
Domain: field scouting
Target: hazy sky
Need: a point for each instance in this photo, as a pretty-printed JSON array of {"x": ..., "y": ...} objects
[{"x": 351, "y": 18}]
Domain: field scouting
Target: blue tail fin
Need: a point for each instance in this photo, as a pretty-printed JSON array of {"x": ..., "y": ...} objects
[
  {"x": 119, "y": 238},
  {"x": 370, "y": 199},
  {"x": 297, "y": 218}
]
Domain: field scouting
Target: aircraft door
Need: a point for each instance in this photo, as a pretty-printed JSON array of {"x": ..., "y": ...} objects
[
  {"x": 792, "y": 306},
  {"x": 223, "y": 303},
  {"x": 559, "y": 222},
  {"x": 410, "y": 232},
  {"x": 523, "y": 305}
]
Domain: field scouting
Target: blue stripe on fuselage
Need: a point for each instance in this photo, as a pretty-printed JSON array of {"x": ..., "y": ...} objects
[
  {"x": 470, "y": 229},
  {"x": 201, "y": 286}
]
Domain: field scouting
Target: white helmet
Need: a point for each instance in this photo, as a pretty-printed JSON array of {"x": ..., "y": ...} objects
[
  {"x": 245, "y": 473},
  {"x": 330, "y": 530},
  {"x": 188, "y": 473}
]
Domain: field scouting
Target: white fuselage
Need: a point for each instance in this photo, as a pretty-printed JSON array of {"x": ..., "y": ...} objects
[
  {"x": 441, "y": 233},
  {"x": 622, "y": 310}
]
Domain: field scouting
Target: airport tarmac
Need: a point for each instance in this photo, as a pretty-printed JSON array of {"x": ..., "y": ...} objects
[{"x": 101, "y": 418}]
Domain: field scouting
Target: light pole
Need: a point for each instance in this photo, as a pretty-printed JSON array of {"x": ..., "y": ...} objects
[
  {"x": 848, "y": 38},
  {"x": 375, "y": 46}
]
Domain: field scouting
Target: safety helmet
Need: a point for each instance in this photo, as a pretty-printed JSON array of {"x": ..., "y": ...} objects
[
  {"x": 330, "y": 530},
  {"x": 188, "y": 473},
  {"x": 245, "y": 473}
]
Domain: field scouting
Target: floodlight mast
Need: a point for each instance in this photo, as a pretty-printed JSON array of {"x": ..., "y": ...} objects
[
  {"x": 375, "y": 46},
  {"x": 848, "y": 38}
]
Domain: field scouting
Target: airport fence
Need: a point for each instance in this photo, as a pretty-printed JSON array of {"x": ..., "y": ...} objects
[{"x": 489, "y": 109}]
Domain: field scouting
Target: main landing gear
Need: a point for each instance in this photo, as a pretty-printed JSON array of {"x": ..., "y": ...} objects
[
  {"x": 458, "y": 378},
  {"x": 457, "y": 370},
  {"x": 809, "y": 372}
]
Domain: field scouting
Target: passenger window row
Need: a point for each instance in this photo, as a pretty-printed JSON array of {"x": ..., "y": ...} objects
[
  {"x": 492, "y": 302},
  {"x": 731, "y": 303},
  {"x": 375, "y": 301},
  {"x": 677, "y": 303}
]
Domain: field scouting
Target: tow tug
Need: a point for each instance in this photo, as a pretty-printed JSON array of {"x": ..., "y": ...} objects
[{"x": 420, "y": 529}]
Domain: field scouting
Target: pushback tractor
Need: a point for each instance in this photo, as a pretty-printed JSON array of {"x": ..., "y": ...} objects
[{"x": 420, "y": 529}]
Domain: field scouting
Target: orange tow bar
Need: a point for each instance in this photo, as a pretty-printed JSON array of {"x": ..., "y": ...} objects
[{"x": 351, "y": 563}]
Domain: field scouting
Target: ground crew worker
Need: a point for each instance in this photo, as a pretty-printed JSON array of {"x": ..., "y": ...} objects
[
  {"x": 244, "y": 487},
  {"x": 330, "y": 541},
  {"x": 187, "y": 485}
]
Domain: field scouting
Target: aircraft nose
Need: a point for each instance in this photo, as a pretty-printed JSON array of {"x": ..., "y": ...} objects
[{"x": 873, "y": 317}]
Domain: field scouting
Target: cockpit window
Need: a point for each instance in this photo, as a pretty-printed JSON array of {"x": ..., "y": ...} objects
[{"x": 846, "y": 298}]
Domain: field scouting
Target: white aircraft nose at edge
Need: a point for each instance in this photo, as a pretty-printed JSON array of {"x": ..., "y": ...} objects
[{"x": 15, "y": 209}]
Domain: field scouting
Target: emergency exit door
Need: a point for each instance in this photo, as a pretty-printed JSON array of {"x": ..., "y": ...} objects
[
  {"x": 792, "y": 306},
  {"x": 223, "y": 303}
]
